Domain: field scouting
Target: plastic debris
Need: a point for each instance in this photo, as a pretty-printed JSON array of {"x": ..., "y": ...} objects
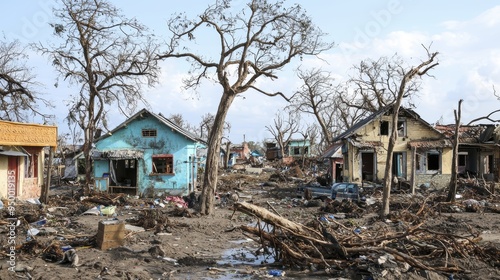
[{"x": 276, "y": 273}]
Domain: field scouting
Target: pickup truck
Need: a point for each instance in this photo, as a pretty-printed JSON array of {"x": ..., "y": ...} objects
[
  {"x": 316, "y": 190},
  {"x": 338, "y": 191}
]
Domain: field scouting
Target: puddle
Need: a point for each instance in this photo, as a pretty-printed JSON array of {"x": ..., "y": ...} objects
[{"x": 245, "y": 256}]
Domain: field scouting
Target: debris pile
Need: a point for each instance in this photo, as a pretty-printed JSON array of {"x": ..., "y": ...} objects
[{"x": 333, "y": 246}]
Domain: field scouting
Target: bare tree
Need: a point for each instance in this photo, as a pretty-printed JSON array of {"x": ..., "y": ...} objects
[
  {"x": 178, "y": 119},
  {"x": 251, "y": 45},
  {"x": 317, "y": 97},
  {"x": 348, "y": 115},
  {"x": 488, "y": 116},
  {"x": 283, "y": 129},
  {"x": 401, "y": 87},
  {"x": 108, "y": 56},
  {"x": 376, "y": 85},
  {"x": 18, "y": 97},
  {"x": 206, "y": 124}
]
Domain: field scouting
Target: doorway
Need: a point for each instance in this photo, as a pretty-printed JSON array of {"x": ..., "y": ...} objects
[
  {"x": 123, "y": 176},
  {"x": 368, "y": 166}
]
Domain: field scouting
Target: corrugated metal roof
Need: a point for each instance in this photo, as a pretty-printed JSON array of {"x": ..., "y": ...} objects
[{"x": 13, "y": 153}]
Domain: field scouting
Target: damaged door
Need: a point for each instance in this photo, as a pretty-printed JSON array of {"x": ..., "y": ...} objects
[
  {"x": 368, "y": 166},
  {"x": 399, "y": 164},
  {"x": 123, "y": 175}
]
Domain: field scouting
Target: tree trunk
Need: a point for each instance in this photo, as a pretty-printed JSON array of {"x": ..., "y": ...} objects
[
  {"x": 228, "y": 155},
  {"x": 388, "y": 168},
  {"x": 454, "y": 167},
  {"x": 213, "y": 155},
  {"x": 88, "y": 141}
]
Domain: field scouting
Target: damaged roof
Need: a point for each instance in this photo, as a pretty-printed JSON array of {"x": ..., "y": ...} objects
[
  {"x": 143, "y": 113},
  {"x": 430, "y": 144},
  {"x": 352, "y": 130},
  {"x": 472, "y": 134}
]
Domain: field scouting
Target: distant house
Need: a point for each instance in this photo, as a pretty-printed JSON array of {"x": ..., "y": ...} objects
[
  {"x": 295, "y": 148},
  {"x": 299, "y": 148},
  {"x": 147, "y": 154},
  {"x": 272, "y": 150},
  {"x": 239, "y": 153},
  {"x": 422, "y": 154},
  {"x": 22, "y": 158},
  {"x": 478, "y": 150}
]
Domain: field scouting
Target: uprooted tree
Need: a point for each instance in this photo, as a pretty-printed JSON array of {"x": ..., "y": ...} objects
[
  {"x": 108, "y": 56},
  {"x": 249, "y": 46}
]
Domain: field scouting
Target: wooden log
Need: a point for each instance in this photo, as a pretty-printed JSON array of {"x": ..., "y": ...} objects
[{"x": 276, "y": 220}]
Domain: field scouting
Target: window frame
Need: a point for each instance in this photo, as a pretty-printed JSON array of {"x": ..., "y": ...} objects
[
  {"x": 384, "y": 128},
  {"x": 149, "y": 132},
  {"x": 422, "y": 162},
  {"x": 402, "y": 132},
  {"x": 169, "y": 164}
]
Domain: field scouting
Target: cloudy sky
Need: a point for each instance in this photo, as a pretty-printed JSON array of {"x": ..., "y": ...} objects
[{"x": 466, "y": 34}]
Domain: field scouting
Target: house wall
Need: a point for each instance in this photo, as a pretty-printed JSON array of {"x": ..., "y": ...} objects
[
  {"x": 302, "y": 145},
  {"x": 167, "y": 141},
  {"x": 415, "y": 131},
  {"x": 26, "y": 187},
  {"x": 3, "y": 176}
]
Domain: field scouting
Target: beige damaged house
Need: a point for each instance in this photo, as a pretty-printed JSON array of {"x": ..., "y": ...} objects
[
  {"x": 22, "y": 158},
  {"x": 478, "y": 150},
  {"x": 422, "y": 154}
]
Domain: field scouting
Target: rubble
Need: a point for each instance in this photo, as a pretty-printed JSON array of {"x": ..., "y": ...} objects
[{"x": 424, "y": 237}]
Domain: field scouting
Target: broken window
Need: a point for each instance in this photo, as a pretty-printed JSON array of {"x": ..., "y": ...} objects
[
  {"x": 401, "y": 128},
  {"x": 163, "y": 164},
  {"x": 149, "y": 133},
  {"x": 296, "y": 151},
  {"x": 428, "y": 162},
  {"x": 384, "y": 128},
  {"x": 462, "y": 161},
  {"x": 433, "y": 161}
]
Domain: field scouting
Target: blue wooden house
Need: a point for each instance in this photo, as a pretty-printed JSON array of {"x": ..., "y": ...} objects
[{"x": 147, "y": 155}]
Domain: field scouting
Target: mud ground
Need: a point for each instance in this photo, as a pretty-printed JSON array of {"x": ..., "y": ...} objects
[{"x": 177, "y": 243}]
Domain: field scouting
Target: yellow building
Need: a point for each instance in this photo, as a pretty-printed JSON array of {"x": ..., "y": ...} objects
[
  {"x": 422, "y": 155},
  {"x": 22, "y": 158}
]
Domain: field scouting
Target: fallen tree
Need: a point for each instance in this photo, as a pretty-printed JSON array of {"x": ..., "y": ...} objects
[{"x": 328, "y": 244}]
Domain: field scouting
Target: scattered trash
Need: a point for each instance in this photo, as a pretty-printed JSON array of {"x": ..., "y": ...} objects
[
  {"x": 174, "y": 261},
  {"x": 132, "y": 228},
  {"x": 39, "y": 223},
  {"x": 177, "y": 201},
  {"x": 276, "y": 273},
  {"x": 32, "y": 232},
  {"x": 109, "y": 210},
  {"x": 92, "y": 211},
  {"x": 34, "y": 201}
]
